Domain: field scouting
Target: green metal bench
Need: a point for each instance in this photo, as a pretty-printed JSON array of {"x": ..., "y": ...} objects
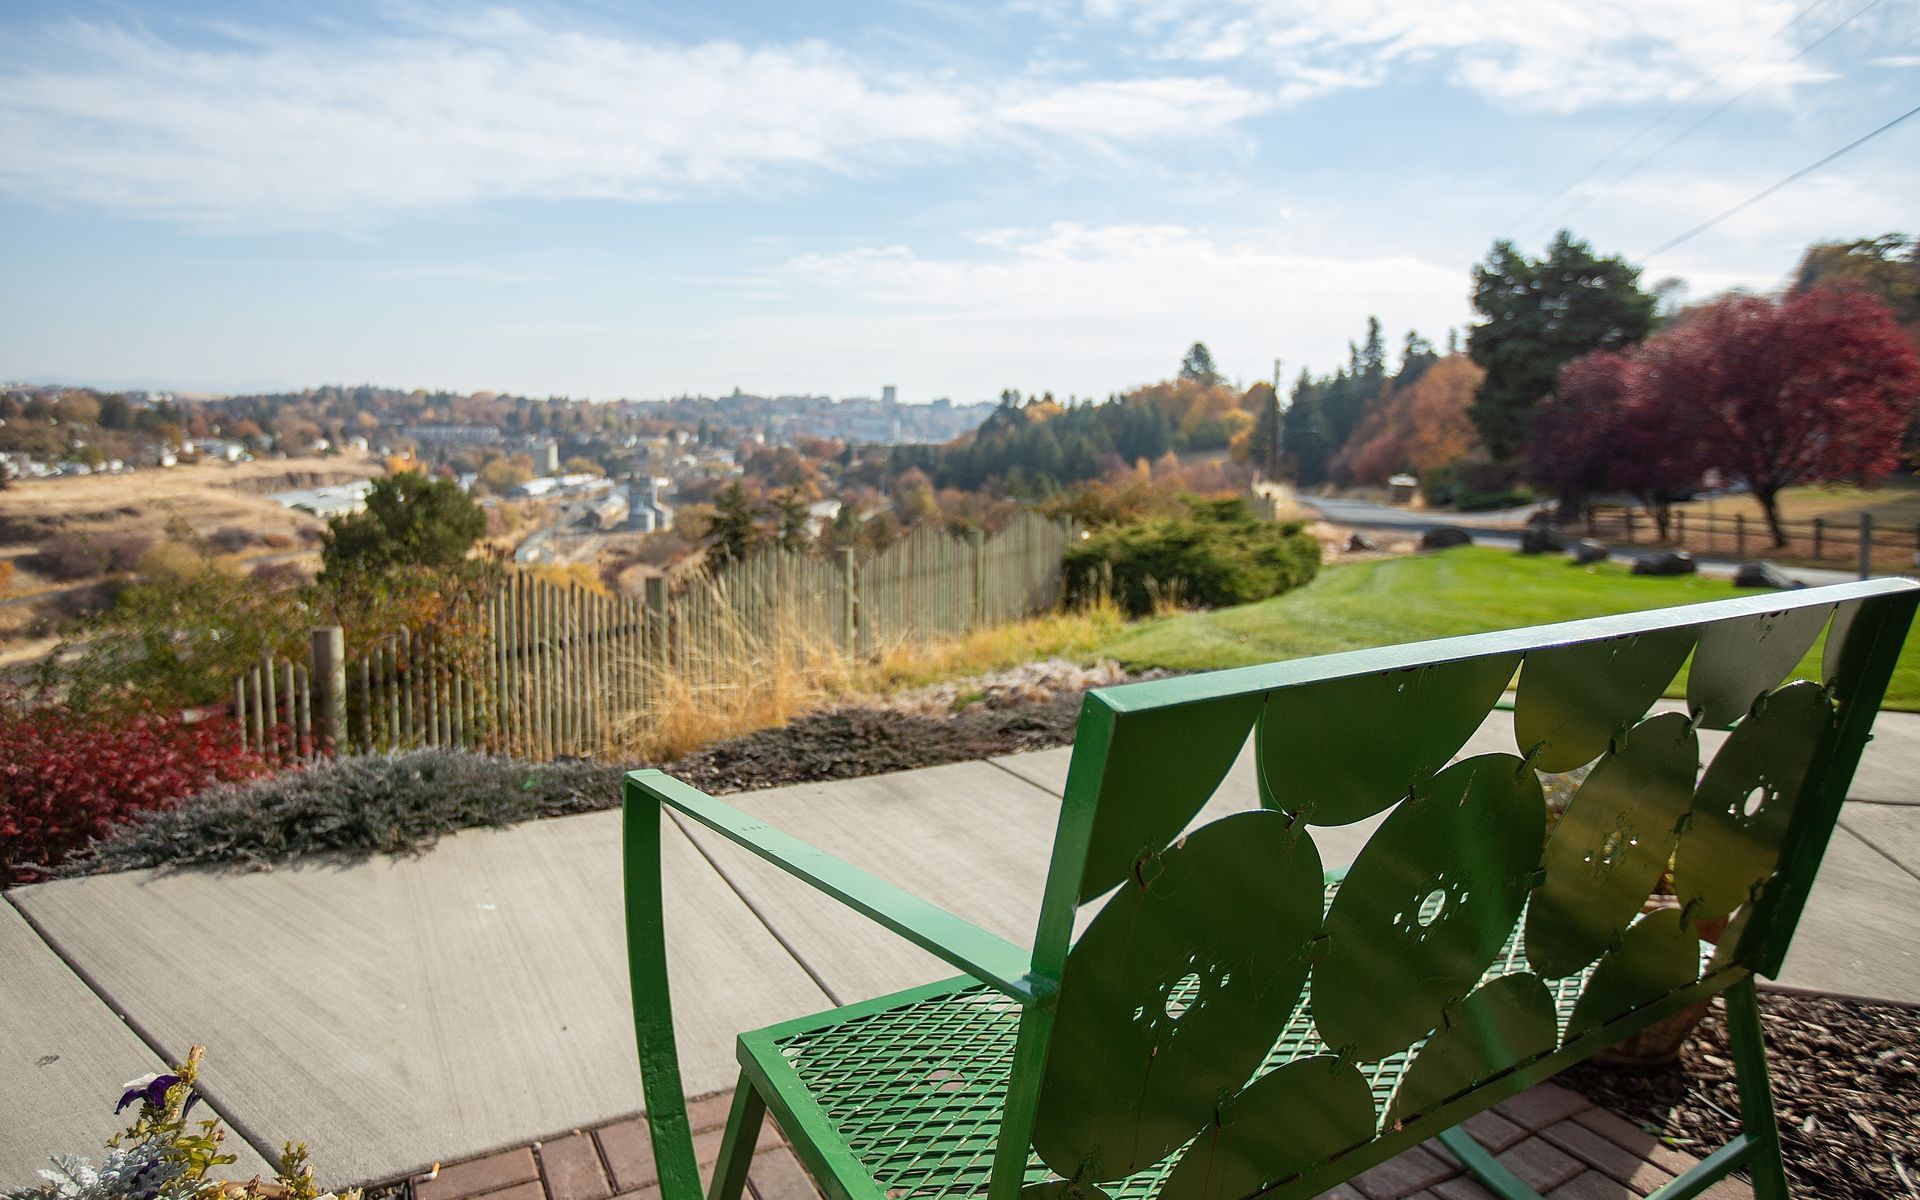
[{"x": 1234, "y": 1021}]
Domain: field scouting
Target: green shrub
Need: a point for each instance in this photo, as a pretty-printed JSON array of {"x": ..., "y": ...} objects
[
  {"x": 357, "y": 805},
  {"x": 1214, "y": 555},
  {"x": 1471, "y": 501}
]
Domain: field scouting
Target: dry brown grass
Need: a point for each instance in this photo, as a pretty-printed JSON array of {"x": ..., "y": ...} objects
[
  {"x": 213, "y": 500},
  {"x": 1894, "y": 502},
  {"x": 741, "y": 683}
]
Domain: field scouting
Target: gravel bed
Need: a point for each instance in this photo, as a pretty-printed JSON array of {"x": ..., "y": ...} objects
[{"x": 1846, "y": 1084}]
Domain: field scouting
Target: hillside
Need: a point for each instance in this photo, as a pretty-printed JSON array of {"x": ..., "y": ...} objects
[{"x": 63, "y": 540}]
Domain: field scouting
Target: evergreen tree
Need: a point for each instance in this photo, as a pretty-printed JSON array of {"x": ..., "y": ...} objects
[
  {"x": 791, "y": 511},
  {"x": 1198, "y": 365},
  {"x": 1539, "y": 315},
  {"x": 1371, "y": 361},
  {"x": 843, "y": 532},
  {"x": 733, "y": 532}
]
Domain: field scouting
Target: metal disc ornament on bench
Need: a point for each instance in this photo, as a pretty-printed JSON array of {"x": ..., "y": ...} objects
[
  {"x": 1341, "y": 751},
  {"x": 1176, "y": 992},
  {"x": 1425, "y": 908},
  {"x": 1296, "y": 1115},
  {"x": 1656, "y": 957},
  {"x": 1507, "y": 1020},
  {"x": 1739, "y": 661},
  {"x": 1163, "y": 767},
  {"x": 1740, "y": 814},
  {"x": 1573, "y": 700},
  {"x": 1606, "y": 854}
]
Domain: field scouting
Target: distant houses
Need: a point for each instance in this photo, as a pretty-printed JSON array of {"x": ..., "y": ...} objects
[{"x": 338, "y": 500}]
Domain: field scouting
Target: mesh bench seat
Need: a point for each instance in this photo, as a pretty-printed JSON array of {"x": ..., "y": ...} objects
[
  {"x": 1233, "y": 1020},
  {"x": 914, "y": 1089}
]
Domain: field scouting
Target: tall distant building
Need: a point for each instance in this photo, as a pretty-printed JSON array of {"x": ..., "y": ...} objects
[
  {"x": 887, "y": 394},
  {"x": 546, "y": 457}
]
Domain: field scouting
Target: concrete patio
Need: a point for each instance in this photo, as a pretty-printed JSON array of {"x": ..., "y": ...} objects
[{"x": 471, "y": 1000}]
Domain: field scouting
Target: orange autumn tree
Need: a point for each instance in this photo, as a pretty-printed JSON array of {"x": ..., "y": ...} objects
[{"x": 1419, "y": 426}]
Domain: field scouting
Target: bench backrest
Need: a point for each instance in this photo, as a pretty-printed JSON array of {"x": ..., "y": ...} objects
[{"x": 1224, "y": 984}]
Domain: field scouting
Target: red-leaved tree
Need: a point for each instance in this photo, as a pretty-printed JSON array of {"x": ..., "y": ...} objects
[
  {"x": 1606, "y": 430},
  {"x": 1814, "y": 387}
]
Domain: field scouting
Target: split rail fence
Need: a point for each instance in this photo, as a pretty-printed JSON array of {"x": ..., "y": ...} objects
[
  {"x": 1856, "y": 541},
  {"x": 547, "y": 671}
]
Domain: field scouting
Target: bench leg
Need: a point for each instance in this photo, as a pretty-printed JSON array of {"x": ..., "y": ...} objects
[
  {"x": 1756, "y": 1092},
  {"x": 736, "y": 1149},
  {"x": 1484, "y": 1167}
]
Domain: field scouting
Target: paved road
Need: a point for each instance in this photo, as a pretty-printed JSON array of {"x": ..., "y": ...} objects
[{"x": 1504, "y": 529}]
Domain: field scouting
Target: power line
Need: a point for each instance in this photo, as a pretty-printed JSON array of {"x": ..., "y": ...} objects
[
  {"x": 1762, "y": 194},
  {"x": 1660, "y": 120},
  {"x": 1724, "y": 105}
]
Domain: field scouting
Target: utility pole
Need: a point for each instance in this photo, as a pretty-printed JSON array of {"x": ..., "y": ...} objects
[{"x": 1278, "y": 443}]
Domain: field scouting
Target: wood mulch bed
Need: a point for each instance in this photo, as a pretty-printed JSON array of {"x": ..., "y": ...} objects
[{"x": 1846, "y": 1084}]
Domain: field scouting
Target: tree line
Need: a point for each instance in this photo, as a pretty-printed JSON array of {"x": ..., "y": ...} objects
[{"x": 1592, "y": 385}]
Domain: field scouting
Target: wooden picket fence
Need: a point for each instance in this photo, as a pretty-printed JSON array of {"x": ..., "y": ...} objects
[{"x": 548, "y": 671}]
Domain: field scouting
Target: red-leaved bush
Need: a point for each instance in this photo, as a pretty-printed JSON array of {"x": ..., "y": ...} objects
[{"x": 66, "y": 778}]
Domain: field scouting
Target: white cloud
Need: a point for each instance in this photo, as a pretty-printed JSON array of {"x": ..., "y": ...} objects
[
  {"x": 1136, "y": 108},
  {"x": 1560, "y": 55},
  {"x": 1072, "y": 307},
  {"x": 278, "y": 130}
]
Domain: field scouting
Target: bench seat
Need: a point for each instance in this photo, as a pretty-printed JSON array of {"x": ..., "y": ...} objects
[{"x": 913, "y": 1085}]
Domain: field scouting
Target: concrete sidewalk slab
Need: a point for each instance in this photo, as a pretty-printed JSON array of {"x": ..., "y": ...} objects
[
  {"x": 1892, "y": 829},
  {"x": 64, "y": 1055},
  {"x": 446, "y": 1004},
  {"x": 1860, "y": 933},
  {"x": 968, "y": 837}
]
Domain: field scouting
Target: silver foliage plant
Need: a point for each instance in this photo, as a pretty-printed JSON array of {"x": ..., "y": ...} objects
[{"x": 161, "y": 1156}]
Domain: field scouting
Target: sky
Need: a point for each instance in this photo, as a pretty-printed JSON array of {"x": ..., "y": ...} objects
[{"x": 615, "y": 199}]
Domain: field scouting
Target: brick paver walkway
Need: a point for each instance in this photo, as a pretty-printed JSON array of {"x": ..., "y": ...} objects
[{"x": 1553, "y": 1139}]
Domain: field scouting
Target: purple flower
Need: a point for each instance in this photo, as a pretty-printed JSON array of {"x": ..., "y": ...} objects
[{"x": 150, "y": 1088}]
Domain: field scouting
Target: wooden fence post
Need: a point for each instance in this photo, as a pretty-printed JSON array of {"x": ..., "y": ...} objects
[
  {"x": 1866, "y": 545},
  {"x": 330, "y": 688},
  {"x": 1819, "y": 535},
  {"x": 1629, "y": 515},
  {"x": 1680, "y": 527},
  {"x": 656, "y": 640},
  {"x": 846, "y": 600},
  {"x": 1739, "y": 535},
  {"x": 978, "y": 541}
]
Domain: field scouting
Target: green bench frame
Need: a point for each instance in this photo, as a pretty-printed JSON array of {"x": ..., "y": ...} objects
[{"x": 1872, "y": 622}]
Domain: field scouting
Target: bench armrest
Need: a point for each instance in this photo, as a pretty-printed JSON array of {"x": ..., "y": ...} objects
[
  {"x": 986, "y": 956},
  {"x": 991, "y": 959}
]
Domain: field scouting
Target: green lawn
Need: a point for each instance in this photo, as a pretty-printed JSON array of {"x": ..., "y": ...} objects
[{"x": 1467, "y": 590}]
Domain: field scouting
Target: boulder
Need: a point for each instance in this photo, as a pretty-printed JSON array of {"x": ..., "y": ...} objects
[
  {"x": 1671, "y": 562},
  {"x": 1761, "y": 574},
  {"x": 1359, "y": 542},
  {"x": 1586, "y": 550},
  {"x": 1442, "y": 537},
  {"x": 1541, "y": 539}
]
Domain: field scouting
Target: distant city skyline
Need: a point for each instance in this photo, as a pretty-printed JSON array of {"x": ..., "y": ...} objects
[{"x": 588, "y": 200}]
